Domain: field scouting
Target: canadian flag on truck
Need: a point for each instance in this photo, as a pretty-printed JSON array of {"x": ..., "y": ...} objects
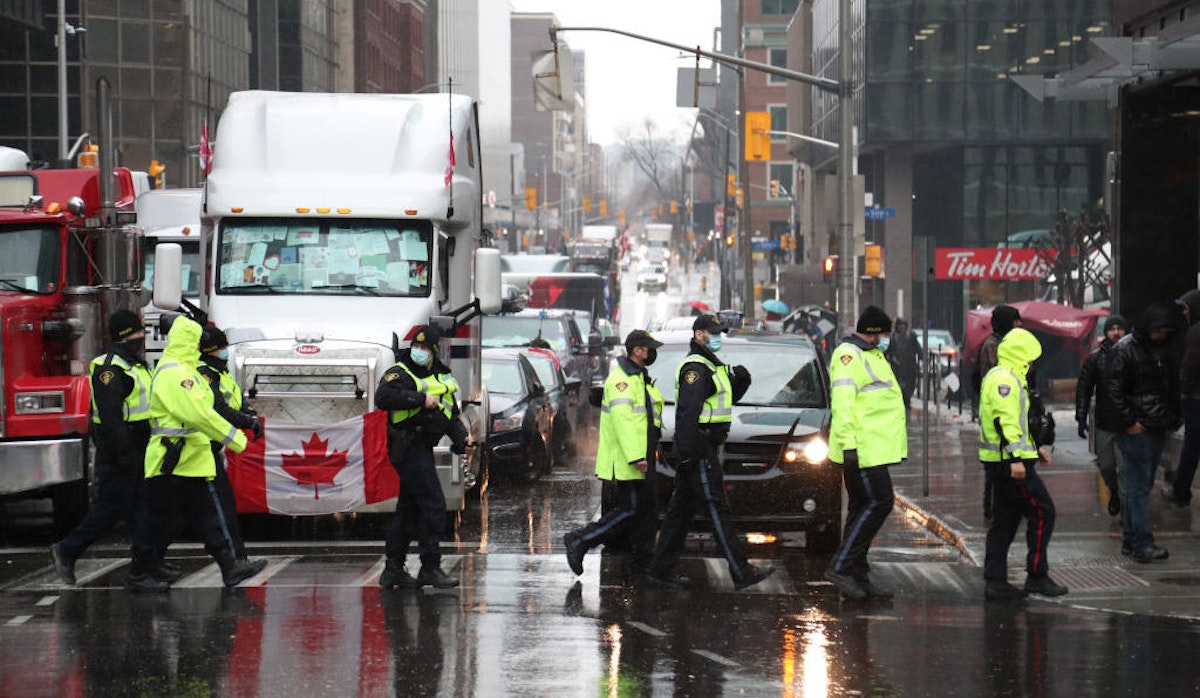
[
  {"x": 205, "y": 151},
  {"x": 306, "y": 469}
]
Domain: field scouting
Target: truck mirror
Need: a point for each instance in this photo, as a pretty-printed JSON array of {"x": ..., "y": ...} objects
[
  {"x": 168, "y": 275},
  {"x": 487, "y": 280}
]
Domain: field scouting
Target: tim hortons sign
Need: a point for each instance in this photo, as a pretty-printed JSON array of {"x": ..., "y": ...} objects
[{"x": 996, "y": 263}]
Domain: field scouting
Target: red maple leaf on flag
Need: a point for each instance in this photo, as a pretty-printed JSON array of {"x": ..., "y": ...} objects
[
  {"x": 451, "y": 161},
  {"x": 206, "y": 153},
  {"x": 315, "y": 467}
]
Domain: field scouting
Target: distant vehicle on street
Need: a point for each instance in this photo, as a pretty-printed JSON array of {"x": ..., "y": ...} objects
[
  {"x": 521, "y": 425},
  {"x": 777, "y": 472},
  {"x": 651, "y": 277},
  {"x": 534, "y": 263}
]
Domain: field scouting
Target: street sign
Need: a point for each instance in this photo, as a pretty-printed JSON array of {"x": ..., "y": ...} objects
[
  {"x": 764, "y": 245},
  {"x": 878, "y": 213}
]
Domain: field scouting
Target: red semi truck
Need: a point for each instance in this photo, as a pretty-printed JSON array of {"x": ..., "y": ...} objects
[{"x": 70, "y": 254}]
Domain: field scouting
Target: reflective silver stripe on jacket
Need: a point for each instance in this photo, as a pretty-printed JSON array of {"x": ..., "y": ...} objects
[
  {"x": 171, "y": 431},
  {"x": 233, "y": 432}
]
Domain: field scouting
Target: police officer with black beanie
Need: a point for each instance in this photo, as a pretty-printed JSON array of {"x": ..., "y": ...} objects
[{"x": 120, "y": 430}]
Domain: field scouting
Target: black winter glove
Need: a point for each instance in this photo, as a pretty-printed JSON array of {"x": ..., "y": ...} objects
[
  {"x": 741, "y": 373},
  {"x": 257, "y": 429},
  {"x": 1083, "y": 431}
]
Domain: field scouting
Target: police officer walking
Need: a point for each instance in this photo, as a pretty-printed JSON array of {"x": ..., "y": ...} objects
[
  {"x": 180, "y": 467},
  {"x": 706, "y": 392},
  {"x": 630, "y": 426},
  {"x": 120, "y": 384},
  {"x": 418, "y": 393},
  {"x": 1010, "y": 456},
  {"x": 228, "y": 402},
  {"x": 867, "y": 433}
]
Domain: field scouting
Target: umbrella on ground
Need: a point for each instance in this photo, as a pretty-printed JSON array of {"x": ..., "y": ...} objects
[
  {"x": 773, "y": 305},
  {"x": 699, "y": 307}
]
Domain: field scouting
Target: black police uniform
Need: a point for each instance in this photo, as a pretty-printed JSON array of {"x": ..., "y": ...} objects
[
  {"x": 700, "y": 476},
  {"x": 120, "y": 450},
  {"x": 421, "y": 506}
]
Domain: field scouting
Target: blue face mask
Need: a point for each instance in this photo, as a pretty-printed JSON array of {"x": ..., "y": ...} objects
[
  {"x": 223, "y": 354},
  {"x": 715, "y": 342},
  {"x": 420, "y": 356}
]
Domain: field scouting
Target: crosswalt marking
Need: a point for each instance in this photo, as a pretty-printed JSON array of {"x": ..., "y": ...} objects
[
  {"x": 46, "y": 601},
  {"x": 649, "y": 630},
  {"x": 18, "y": 620},
  {"x": 713, "y": 656}
]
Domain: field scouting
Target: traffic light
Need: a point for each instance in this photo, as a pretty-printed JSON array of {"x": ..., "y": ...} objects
[
  {"x": 774, "y": 188},
  {"x": 530, "y": 199},
  {"x": 873, "y": 260},
  {"x": 155, "y": 171},
  {"x": 739, "y": 197},
  {"x": 829, "y": 265},
  {"x": 603, "y": 207},
  {"x": 730, "y": 185},
  {"x": 587, "y": 204},
  {"x": 785, "y": 242},
  {"x": 674, "y": 207},
  {"x": 729, "y": 241},
  {"x": 620, "y": 214},
  {"x": 758, "y": 141}
]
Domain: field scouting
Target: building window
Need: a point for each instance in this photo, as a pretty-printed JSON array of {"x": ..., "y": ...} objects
[
  {"x": 780, "y": 7},
  {"x": 778, "y": 120},
  {"x": 781, "y": 172},
  {"x": 777, "y": 57}
]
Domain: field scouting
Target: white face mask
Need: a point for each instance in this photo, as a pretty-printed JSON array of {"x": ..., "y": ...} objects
[
  {"x": 715, "y": 342},
  {"x": 420, "y": 356},
  {"x": 223, "y": 354}
]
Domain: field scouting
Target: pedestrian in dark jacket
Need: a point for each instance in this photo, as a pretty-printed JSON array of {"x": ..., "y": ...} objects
[
  {"x": 1179, "y": 488},
  {"x": 903, "y": 353},
  {"x": 1107, "y": 420},
  {"x": 1143, "y": 384}
]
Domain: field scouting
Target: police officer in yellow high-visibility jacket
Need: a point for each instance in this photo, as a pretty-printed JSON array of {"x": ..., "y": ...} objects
[
  {"x": 630, "y": 426},
  {"x": 180, "y": 466},
  {"x": 1010, "y": 455},
  {"x": 120, "y": 384},
  {"x": 867, "y": 433},
  {"x": 419, "y": 394},
  {"x": 706, "y": 390}
]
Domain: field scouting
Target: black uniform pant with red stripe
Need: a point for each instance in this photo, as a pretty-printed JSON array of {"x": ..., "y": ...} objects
[{"x": 1015, "y": 500}]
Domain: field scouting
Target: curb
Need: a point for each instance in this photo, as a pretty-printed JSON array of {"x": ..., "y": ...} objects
[{"x": 936, "y": 526}]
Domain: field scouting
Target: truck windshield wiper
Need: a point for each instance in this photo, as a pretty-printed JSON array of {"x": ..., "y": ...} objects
[
  {"x": 15, "y": 286},
  {"x": 266, "y": 287},
  {"x": 357, "y": 287}
]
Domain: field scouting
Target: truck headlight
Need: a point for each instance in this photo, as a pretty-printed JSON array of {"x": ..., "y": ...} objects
[
  {"x": 814, "y": 451},
  {"x": 40, "y": 403},
  {"x": 509, "y": 423}
]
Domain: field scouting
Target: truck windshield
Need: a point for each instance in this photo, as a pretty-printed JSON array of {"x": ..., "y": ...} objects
[
  {"x": 323, "y": 257},
  {"x": 29, "y": 259}
]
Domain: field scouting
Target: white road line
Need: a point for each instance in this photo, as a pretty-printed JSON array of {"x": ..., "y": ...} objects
[
  {"x": 46, "y": 601},
  {"x": 210, "y": 575},
  {"x": 713, "y": 656},
  {"x": 649, "y": 630},
  {"x": 98, "y": 572},
  {"x": 18, "y": 620},
  {"x": 371, "y": 576}
]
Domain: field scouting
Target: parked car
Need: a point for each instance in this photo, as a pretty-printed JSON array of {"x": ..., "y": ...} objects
[
  {"x": 559, "y": 329},
  {"x": 652, "y": 277},
  {"x": 778, "y": 476},
  {"x": 563, "y": 393},
  {"x": 942, "y": 347},
  {"x": 519, "y": 434}
]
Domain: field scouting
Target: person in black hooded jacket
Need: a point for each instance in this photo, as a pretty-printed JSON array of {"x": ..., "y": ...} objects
[
  {"x": 1107, "y": 419},
  {"x": 1143, "y": 383}
]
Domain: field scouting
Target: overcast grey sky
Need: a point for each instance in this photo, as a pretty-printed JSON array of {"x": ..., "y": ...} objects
[{"x": 628, "y": 79}]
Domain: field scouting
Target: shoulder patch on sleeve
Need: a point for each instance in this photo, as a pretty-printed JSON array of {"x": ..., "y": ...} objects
[
  {"x": 187, "y": 383},
  {"x": 691, "y": 377},
  {"x": 847, "y": 358},
  {"x": 390, "y": 376},
  {"x": 208, "y": 377},
  {"x": 622, "y": 386},
  {"x": 1003, "y": 389},
  {"x": 106, "y": 377}
]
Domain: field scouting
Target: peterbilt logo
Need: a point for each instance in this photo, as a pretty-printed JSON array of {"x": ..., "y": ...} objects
[{"x": 307, "y": 349}]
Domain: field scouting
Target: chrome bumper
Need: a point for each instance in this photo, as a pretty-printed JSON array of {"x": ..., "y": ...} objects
[{"x": 32, "y": 465}]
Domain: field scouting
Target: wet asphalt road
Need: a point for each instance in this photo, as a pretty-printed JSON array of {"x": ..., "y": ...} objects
[{"x": 315, "y": 623}]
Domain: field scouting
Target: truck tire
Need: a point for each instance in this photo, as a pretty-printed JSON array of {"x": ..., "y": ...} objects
[{"x": 70, "y": 501}]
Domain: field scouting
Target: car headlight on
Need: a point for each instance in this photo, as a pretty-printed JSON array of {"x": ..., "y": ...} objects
[
  {"x": 509, "y": 423},
  {"x": 813, "y": 451},
  {"x": 40, "y": 403}
]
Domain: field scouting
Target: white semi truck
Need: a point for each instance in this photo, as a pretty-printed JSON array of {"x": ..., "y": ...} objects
[{"x": 334, "y": 226}]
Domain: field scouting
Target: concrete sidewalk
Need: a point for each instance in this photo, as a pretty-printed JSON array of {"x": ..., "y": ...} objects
[{"x": 1085, "y": 552}]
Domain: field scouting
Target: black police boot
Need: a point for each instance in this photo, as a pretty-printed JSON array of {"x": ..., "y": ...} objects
[
  {"x": 575, "y": 552},
  {"x": 234, "y": 571},
  {"x": 63, "y": 565},
  {"x": 754, "y": 575},
  {"x": 1044, "y": 586},
  {"x": 257, "y": 565},
  {"x": 436, "y": 577},
  {"x": 167, "y": 573},
  {"x": 875, "y": 592},
  {"x": 394, "y": 575},
  {"x": 847, "y": 585},
  {"x": 996, "y": 590}
]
